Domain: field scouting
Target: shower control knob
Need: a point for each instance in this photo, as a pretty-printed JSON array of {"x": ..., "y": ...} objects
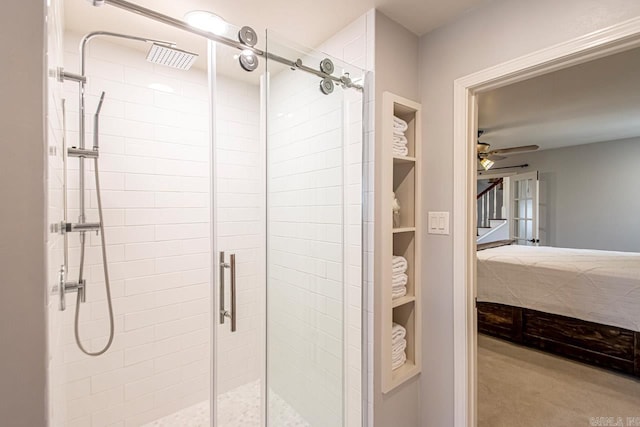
[
  {"x": 248, "y": 36},
  {"x": 326, "y": 86},
  {"x": 326, "y": 66}
]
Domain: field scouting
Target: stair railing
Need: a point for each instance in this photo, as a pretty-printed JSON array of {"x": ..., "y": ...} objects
[{"x": 487, "y": 203}]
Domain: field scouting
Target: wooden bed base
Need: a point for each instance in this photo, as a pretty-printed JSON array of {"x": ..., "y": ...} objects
[{"x": 605, "y": 346}]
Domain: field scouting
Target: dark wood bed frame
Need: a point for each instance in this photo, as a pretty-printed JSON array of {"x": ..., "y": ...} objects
[{"x": 609, "y": 347}]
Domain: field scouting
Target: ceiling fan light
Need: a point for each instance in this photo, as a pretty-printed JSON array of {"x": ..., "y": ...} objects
[{"x": 486, "y": 163}]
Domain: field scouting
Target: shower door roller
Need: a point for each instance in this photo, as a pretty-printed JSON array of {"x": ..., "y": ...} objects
[
  {"x": 223, "y": 312},
  {"x": 326, "y": 86}
]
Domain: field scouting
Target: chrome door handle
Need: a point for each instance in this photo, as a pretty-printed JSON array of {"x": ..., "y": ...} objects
[
  {"x": 223, "y": 312},
  {"x": 233, "y": 292},
  {"x": 222, "y": 266}
]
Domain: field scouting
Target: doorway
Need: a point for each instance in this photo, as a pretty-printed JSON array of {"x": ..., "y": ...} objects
[{"x": 612, "y": 40}]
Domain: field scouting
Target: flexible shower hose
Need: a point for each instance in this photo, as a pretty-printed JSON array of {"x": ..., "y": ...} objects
[{"x": 107, "y": 283}]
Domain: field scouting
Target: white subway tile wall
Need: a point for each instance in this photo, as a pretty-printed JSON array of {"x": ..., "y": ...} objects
[
  {"x": 355, "y": 45},
  {"x": 155, "y": 173},
  {"x": 57, "y": 391},
  {"x": 315, "y": 204}
]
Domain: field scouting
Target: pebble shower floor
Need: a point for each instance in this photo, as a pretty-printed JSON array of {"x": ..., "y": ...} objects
[{"x": 239, "y": 407}]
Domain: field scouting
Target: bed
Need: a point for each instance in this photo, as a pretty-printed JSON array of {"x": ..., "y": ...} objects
[{"x": 582, "y": 304}]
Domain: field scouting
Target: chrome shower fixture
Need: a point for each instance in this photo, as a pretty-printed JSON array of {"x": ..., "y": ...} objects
[
  {"x": 248, "y": 60},
  {"x": 326, "y": 86},
  {"x": 171, "y": 56}
]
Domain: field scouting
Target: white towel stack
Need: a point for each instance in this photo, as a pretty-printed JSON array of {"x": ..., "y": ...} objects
[
  {"x": 399, "y": 277},
  {"x": 398, "y": 346},
  {"x": 399, "y": 140}
]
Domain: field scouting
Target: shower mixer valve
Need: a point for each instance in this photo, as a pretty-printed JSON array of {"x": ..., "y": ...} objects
[{"x": 63, "y": 287}]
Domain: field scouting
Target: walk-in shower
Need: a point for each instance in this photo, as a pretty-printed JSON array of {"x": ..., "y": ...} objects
[{"x": 227, "y": 196}]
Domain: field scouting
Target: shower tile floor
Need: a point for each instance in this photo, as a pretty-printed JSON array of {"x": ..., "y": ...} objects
[{"x": 239, "y": 407}]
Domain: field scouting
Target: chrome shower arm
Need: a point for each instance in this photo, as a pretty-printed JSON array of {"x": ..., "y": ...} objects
[
  {"x": 83, "y": 64},
  {"x": 88, "y": 37}
]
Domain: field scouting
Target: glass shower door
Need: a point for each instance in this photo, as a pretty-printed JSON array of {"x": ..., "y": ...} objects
[
  {"x": 287, "y": 242},
  {"x": 314, "y": 169},
  {"x": 239, "y": 242}
]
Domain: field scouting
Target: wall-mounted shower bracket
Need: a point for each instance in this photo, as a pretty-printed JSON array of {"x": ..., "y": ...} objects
[
  {"x": 90, "y": 153},
  {"x": 81, "y": 227},
  {"x": 64, "y": 75},
  {"x": 63, "y": 287}
]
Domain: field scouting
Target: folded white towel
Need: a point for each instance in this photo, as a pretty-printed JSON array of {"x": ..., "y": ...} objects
[
  {"x": 399, "y": 261},
  {"x": 399, "y": 139},
  {"x": 400, "y": 152},
  {"x": 398, "y": 146},
  {"x": 399, "y": 279},
  {"x": 398, "y": 332},
  {"x": 399, "y": 347},
  {"x": 398, "y": 361},
  {"x": 398, "y": 292},
  {"x": 399, "y": 265},
  {"x": 398, "y": 132},
  {"x": 399, "y": 124}
]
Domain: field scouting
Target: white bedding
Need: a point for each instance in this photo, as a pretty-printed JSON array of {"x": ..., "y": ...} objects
[{"x": 597, "y": 286}]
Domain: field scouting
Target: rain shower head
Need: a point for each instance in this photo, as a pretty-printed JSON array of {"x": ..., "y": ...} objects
[{"x": 171, "y": 56}]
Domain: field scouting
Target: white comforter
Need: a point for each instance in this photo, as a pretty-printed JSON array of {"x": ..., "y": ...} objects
[{"x": 597, "y": 286}]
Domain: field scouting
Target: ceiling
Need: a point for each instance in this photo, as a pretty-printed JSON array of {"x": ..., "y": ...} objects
[
  {"x": 592, "y": 102},
  {"x": 306, "y": 22}
]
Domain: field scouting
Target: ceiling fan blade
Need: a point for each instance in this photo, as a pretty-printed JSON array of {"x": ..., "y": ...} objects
[
  {"x": 514, "y": 149},
  {"x": 495, "y": 158}
]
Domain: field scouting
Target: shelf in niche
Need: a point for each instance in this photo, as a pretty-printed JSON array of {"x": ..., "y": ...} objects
[
  {"x": 404, "y": 159},
  {"x": 402, "y": 175},
  {"x": 406, "y": 371},
  {"x": 404, "y": 230},
  {"x": 403, "y": 300}
]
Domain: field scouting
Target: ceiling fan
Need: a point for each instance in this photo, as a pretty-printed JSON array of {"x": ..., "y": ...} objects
[{"x": 488, "y": 157}]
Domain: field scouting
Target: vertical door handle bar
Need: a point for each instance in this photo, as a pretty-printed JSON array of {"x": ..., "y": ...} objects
[
  {"x": 221, "y": 266},
  {"x": 233, "y": 292},
  {"x": 232, "y": 266}
]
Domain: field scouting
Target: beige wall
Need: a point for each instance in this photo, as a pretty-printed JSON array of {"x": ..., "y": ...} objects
[
  {"x": 500, "y": 31},
  {"x": 22, "y": 213},
  {"x": 396, "y": 70}
]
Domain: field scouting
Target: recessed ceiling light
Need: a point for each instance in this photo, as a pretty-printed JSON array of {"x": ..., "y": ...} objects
[{"x": 206, "y": 21}]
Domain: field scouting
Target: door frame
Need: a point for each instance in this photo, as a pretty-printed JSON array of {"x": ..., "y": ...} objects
[{"x": 600, "y": 43}]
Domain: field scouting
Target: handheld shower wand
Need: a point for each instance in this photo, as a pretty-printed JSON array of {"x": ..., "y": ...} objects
[{"x": 103, "y": 244}]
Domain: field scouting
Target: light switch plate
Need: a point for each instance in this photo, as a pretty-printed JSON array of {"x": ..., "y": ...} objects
[{"x": 438, "y": 223}]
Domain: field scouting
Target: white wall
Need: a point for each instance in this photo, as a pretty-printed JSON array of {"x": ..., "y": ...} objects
[
  {"x": 22, "y": 180},
  {"x": 396, "y": 71},
  {"x": 487, "y": 36},
  {"x": 588, "y": 195}
]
